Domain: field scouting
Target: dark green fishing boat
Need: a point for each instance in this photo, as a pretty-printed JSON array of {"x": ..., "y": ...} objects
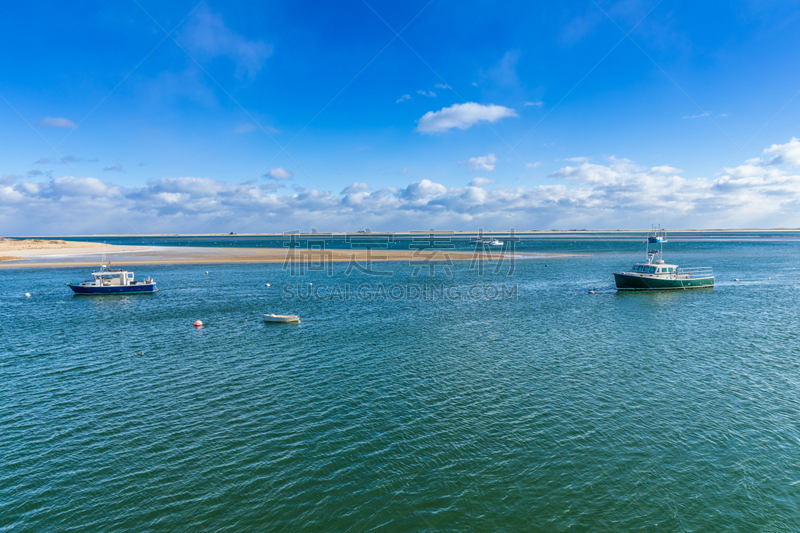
[{"x": 654, "y": 274}]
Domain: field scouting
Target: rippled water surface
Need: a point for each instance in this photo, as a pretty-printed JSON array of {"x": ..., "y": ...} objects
[{"x": 544, "y": 409}]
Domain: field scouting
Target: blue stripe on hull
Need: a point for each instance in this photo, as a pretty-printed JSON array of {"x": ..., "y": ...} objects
[{"x": 130, "y": 289}]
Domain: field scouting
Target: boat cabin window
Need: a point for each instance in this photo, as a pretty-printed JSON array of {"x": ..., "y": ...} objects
[
  {"x": 670, "y": 269},
  {"x": 652, "y": 269}
]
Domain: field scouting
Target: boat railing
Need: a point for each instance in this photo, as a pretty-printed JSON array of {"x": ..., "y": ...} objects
[{"x": 695, "y": 272}]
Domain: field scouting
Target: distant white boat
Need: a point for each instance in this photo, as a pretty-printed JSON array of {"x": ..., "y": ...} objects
[
  {"x": 281, "y": 318},
  {"x": 486, "y": 241}
]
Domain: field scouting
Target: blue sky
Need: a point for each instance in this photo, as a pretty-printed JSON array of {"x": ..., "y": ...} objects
[{"x": 259, "y": 118}]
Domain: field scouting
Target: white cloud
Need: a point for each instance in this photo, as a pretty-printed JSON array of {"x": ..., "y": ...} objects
[
  {"x": 244, "y": 128},
  {"x": 480, "y": 182},
  {"x": 355, "y": 188},
  {"x": 785, "y": 154},
  {"x": 429, "y": 94},
  {"x": 404, "y": 98},
  {"x": 279, "y": 173},
  {"x": 484, "y": 163},
  {"x": 616, "y": 194},
  {"x": 423, "y": 190},
  {"x": 538, "y": 103},
  {"x": 207, "y": 37},
  {"x": 115, "y": 168},
  {"x": 57, "y": 122},
  {"x": 442, "y": 86},
  {"x": 697, "y": 116},
  {"x": 534, "y": 165},
  {"x": 663, "y": 170},
  {"x": 461, "y": 116},
  {"x": 576, "y": 159}
]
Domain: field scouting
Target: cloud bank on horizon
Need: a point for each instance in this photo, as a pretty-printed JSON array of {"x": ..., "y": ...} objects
[
  {"x": 253, "y": 117},
  {"x": 587, "y": 195}
]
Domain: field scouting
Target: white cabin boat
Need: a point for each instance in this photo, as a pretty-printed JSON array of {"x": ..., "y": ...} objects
[{"x": 113, "y": 281}]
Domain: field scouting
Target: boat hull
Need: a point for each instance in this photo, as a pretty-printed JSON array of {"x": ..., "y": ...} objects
[
  {"x": 627, "y": 282},
  {"x": 144, "y": 288},
  {"x": 281, "y": 319}
]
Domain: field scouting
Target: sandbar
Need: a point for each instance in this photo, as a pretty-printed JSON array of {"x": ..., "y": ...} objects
[{"x": 49, "y": 253}]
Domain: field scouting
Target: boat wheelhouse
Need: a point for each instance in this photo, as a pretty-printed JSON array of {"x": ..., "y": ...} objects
[
  {"x": 655, "y": 274},
  {"x": 113, "y": 281}
]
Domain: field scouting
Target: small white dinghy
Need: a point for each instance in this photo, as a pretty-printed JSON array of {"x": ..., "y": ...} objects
[{"x": 281, "y": 318}]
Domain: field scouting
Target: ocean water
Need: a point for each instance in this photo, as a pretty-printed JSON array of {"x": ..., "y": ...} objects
[{"x": 439, "y": 399}]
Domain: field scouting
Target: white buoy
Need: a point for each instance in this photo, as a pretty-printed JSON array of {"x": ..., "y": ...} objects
[
  {"x": 206, "y": 271},
  {"x": 735, "y": 279},
  {"x": 592, "y": 292},
  {"x": 267, "y": 284},
  {"x": 27, "y": 295}
]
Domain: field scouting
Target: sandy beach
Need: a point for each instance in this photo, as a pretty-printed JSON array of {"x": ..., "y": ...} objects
[{"x": 37, "y": 253}]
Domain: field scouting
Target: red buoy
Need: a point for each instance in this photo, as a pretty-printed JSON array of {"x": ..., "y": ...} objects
[{"x": 198, "y": 323}]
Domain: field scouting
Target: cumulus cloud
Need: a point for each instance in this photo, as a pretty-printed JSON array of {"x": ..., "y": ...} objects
[
  {"x": 538, "y": 103},
  {"x": 484, "y": 163},
  {"x": 461, "y": 116},
  {"x": 534, "y": 165},
  {"x": 57, "y": 122},
  {"x": 442, "y": 86},
  {"x": 207, "y": 37},
  {"x": 785, "y": 154},
  {"x": 697, "y": 116},
  {"x": 480, "y": 182},
  {"x": 663, "y": 170},
  {"x": 616, "y": 194},
  {"x": 115, "y": 168},
  {"x": 355, "y": 188},
  {"x": 279, "y": 173},
  {"x": 244, "y": 128},
  {"x": 429, "y": 94},
  {"x": 423, "y": 190},
  {"x": 404, "y": 98}
]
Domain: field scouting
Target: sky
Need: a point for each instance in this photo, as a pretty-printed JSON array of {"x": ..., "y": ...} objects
[{"x": 183, "y": 117}]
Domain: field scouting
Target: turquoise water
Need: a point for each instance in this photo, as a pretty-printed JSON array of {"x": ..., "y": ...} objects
[{"x": 543, "y": 408}]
